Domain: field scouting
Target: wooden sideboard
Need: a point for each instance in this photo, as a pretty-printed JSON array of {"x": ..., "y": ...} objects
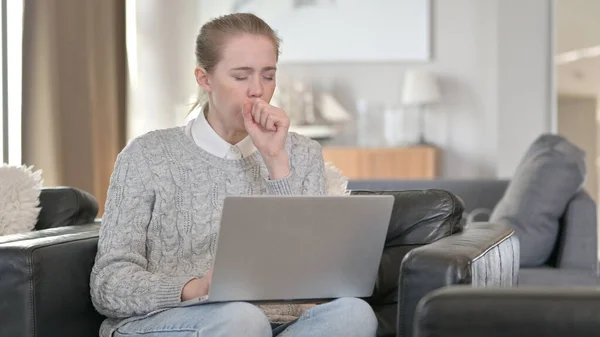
[{"x": 412, "y": 162}]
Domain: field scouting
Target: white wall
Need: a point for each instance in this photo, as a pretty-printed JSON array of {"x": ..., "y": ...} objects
[
  {"x": 493, "y": 57},
  {"x": 463, "y": 56},
  {"x": 577, "y": 122},
  {"x": 525, "y": 92}
]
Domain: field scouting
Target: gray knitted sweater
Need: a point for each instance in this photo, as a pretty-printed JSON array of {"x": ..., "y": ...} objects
[{"x": 162, "y": 216}]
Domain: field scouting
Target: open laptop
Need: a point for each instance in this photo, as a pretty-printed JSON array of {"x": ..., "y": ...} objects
[{"x": 297, "y": 248}]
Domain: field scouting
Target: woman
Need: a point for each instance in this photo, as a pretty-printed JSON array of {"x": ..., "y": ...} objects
[{"x": 163, "y": 209}]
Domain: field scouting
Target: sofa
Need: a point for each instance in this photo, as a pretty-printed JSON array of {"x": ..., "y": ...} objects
[
  {"x": 573, "y": 260},
  {"x": 533, "y": 311},
  {"x": 559, "y": 298},
  {"x": 44, "y": 284},
  {"x": 43, "y": 272}
]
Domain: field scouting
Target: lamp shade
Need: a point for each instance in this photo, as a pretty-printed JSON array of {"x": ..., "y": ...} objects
[{"x": 420, "y": 87}]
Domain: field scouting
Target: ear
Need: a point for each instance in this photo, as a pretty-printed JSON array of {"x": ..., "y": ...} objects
[{"x": 202, "y": 79}]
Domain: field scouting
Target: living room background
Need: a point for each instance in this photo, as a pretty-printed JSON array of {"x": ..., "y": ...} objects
[{"x": 494, "y": 62}]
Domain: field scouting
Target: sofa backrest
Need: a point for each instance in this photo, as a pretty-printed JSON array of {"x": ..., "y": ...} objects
[
  {"x": 65, "y": 206},
  {"x": 475, "y": 193},
  {"x": 577, "y": 243}
]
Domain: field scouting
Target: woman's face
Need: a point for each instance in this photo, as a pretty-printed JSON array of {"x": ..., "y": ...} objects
[{"x": 245, "y": 71}]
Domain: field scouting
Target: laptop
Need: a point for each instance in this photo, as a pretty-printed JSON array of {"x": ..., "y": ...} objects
[{"x": 298, "y": 248}]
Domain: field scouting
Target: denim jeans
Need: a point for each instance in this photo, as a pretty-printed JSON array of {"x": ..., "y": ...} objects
[{"x": 347, "y": 317}]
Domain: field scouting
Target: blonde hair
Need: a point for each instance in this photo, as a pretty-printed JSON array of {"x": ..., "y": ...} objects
[{"x": 213, "y": 35}]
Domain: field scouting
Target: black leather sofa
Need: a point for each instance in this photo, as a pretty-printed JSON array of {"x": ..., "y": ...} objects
[
  {"x": 44, "y": 275},
  {"x": 574, "y": 259}
]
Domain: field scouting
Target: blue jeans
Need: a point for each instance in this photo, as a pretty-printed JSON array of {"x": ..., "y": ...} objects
[{"x": 347, "y": 317}]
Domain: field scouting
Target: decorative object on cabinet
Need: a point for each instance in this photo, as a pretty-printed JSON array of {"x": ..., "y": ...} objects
[
  {"x": 317, "y": 115},
  {"x": 420, "y": 91}
]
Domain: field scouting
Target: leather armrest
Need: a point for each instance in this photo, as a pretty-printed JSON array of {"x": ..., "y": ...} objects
[
  {"x": 419, "y": 217},
  {"x": 44, "y": 284},
  {"x": 523, "y": 311},
  {"x": 44, "y": 233},
  {"x": 484, "y": 254}
]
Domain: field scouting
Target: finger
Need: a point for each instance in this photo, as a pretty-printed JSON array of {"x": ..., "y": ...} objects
[
  {"x": 247, "y": 114},
  {"x": 270, "y": 123},
  {"x": 261, "y": 108},
  {"x": 264, "y": 116},
  {"x": 247, "y": 109},
  {"x": 280, "y": 120},
  {"x": 257, "y": 110},
  {"x": 256, "y": 114}
]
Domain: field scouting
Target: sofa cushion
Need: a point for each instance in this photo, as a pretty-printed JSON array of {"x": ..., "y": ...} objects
[
  {"x": 578, "y": 239},
  {"x": 66, "y": 206},
  {"x": 548, "y": 176},
  {"x": 475, "y": 193},
  {"x": 19, "y": 192},
  {"x": 421, "y": 217}
]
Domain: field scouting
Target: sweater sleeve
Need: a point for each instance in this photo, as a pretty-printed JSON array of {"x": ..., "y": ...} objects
[
  {"x": 120, "y": 284},
  {"x": 307, "y": 172}
]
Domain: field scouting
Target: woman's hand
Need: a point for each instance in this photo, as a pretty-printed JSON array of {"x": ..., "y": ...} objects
[
  {"x": 268, "y": 127},
  {"x": 197, "y": 287}
]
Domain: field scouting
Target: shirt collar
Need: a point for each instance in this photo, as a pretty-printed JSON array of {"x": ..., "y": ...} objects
[{"x": 208, "y": 139}]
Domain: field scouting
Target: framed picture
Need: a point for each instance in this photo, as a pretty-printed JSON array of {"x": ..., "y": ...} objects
[{"x": 340, "y": 30}]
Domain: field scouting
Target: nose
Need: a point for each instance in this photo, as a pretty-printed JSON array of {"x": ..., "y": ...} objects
[{"x": 255, "y": 88}]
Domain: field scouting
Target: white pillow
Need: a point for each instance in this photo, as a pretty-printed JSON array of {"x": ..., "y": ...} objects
[
  {"x": 20, "y": 189},
  {"x": 336, "y": 183}
]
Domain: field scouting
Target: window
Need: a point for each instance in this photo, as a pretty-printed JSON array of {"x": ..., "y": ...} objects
[{"x": 11, "y": 59}]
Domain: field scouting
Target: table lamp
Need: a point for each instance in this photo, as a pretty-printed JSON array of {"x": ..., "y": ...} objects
[{"x": 420, "y": 90}]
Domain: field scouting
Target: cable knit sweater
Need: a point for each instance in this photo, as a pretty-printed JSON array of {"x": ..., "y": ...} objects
[{"x": 162, "y": 216}]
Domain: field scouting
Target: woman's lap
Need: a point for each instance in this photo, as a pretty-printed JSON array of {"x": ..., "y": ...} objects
[
  {"x": 220, "y": 319},
  {"x": 342, "y": 317}
]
